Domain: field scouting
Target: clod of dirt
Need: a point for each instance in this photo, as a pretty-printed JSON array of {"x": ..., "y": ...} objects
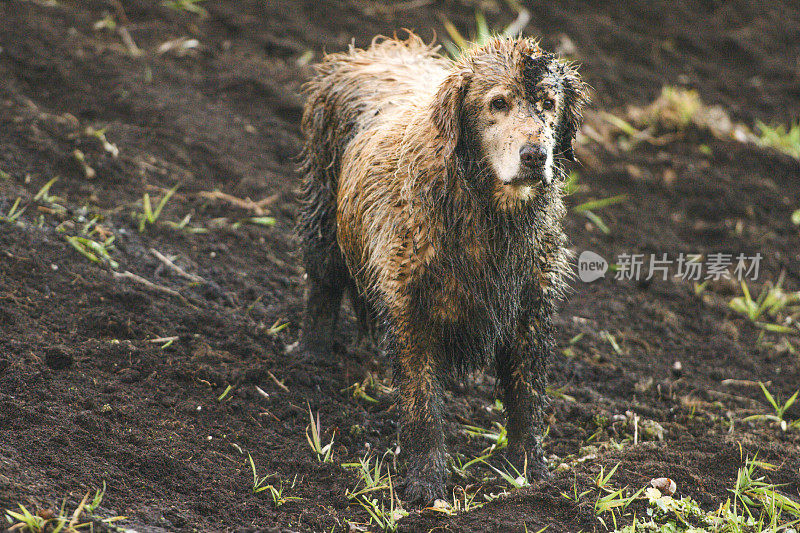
[
  {"x": 57, "y": 358},
  {"x": 129, "y": 375}
]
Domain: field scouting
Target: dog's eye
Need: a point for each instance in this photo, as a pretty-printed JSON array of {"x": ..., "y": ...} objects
[
  {"x": 549, "y": 104},
  {"x": 499, "y": 104}
]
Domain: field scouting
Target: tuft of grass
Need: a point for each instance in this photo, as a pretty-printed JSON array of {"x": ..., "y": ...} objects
[
  {"x": 497, "y": 436},
  {"x": 464, "y": 501},
  {"x": 787, "y": 140},
  {"x": 779, "y": 307},
  {"x": 94, "y": 251},
  {"x": 359, "y": 390},
  {"x": 514, "y": 477},
  {"x": 482, "y": 33},
  {"x": 94, "y": 242},
  {"x": 780, "y": 409},
  {"x": 188, "y": 6},
  {"x": 756, "y": 507},
  {"x": 150, "y": 215},
  {"x": 752, "y": 491},
  {"x": 324, "y": 453},
  {"x": 184, "y": 225},
  {"x": 49, "y": 521},
  {"x": 675, "y": 108},
  {"x": 260, "y": 485},
  {"x": 372, "y": 477},
  {"x": 375, "y": 479}
]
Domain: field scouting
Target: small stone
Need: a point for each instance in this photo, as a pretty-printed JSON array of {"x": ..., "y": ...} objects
[
  {"x": 665, "y": 485},
  {"x": 442, "y": 505}
]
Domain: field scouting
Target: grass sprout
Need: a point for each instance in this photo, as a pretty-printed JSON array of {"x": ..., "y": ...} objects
[
  {"x": 184, "y": 225},
  {"x": 606, "y": 336},
  {"x": 515, "y": 478},
  {"x": 260, "y": 485},
  {"x": 372, "y": 476},
  {"x": 780, "y": 308},
  {"x": 482, "y": 34},
  {"x": 497, "y": 436},
  {"x": 100, "y": 135},
  {"x": 94, "y": 251},
  {"x": 150, "y": 215},
  {"x": 588, "y": 209},
  {"x": 324, "y": 453},
  {"x": 14, "y": 213},
  {"x": 44, "y": 193},
  {"x": 780, "y": 409},
  {"x": 787, "y": 140},
  {"x": 225, "y": 393},
  {"x": 257, "y": 221},
  {"x": 370, "y": 492},
  {"x": 599, "y": 204},
  {"x": 188, "y": 6}
]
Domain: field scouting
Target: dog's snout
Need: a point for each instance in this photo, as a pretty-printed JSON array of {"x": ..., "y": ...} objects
[{"x": 532, "y": 155}]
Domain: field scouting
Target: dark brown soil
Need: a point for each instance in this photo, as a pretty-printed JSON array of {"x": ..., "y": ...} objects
[{"x": 86, "y": 397}]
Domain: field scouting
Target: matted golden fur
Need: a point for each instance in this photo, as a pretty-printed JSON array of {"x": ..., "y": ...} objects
[{"x": 433, "y": 195}]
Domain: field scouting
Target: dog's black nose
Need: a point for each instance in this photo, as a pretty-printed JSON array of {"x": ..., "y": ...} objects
[{"x": 532, "y": 155}]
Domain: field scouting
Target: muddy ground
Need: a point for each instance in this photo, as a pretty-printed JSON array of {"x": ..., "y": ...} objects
[{"x": 87, "y": 397}]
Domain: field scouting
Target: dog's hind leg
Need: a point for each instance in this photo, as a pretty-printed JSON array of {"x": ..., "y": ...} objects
[
  {"x": 325, "y": 268},
  {"x": 364, "y": 314}
]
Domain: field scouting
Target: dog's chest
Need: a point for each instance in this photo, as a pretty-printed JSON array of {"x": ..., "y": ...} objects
[{"x": 481, "y": 285}]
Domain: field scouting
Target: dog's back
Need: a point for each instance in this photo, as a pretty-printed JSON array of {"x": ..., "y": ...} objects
[{"x": 357, "y": 89}]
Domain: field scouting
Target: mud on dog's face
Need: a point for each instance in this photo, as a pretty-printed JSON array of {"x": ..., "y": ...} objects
[{"x": 518, "y": 114}]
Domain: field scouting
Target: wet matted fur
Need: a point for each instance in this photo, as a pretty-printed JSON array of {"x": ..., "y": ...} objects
[{"x": 433, "y": 196}]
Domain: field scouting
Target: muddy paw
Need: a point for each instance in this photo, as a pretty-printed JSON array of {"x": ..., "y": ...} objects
[
  {"x": 422, "y": 491},
  {"x": 536, "y": 466}
]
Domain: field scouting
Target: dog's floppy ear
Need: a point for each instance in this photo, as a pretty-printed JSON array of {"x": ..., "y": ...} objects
[
  {"x": 575, "y": 98},
  {"x": 446, "y": 109}
]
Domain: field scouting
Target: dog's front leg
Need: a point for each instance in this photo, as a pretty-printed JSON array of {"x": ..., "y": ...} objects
[
  {"x": 522, "y": 369},
  {"x": 420, "y": 397}
]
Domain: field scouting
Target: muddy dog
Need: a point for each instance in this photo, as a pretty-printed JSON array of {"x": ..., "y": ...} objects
[{"x": 433, "y": 196}]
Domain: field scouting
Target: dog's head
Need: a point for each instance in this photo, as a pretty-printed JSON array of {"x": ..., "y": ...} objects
[{"x": 509, "y": 111}]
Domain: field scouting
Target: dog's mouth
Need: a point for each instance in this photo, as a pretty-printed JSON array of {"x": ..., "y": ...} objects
[{"x": 528, "y": 177}]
